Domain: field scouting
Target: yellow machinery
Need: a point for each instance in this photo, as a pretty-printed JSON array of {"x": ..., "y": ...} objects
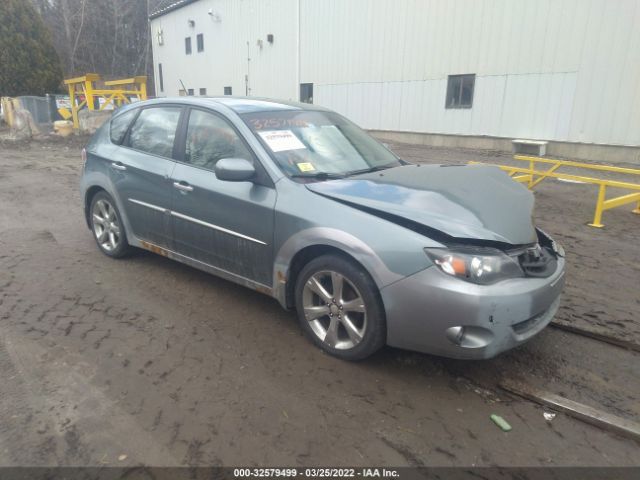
[
  {"x": 9, "y": 106},
  {"x": 83, "y": 92},
  {"x": 532, "y": 176}
]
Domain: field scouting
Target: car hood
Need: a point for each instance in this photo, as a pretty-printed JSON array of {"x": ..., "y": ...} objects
[{"x": 466, "y": 202}]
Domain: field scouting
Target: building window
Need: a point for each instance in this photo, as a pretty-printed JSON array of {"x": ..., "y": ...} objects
[
  {"x": 187, "y": 45},
  {"x": 190, "y": 92},
  {"x": 460, "y": 91},
  {"x": 200, "y": 42},
  {"x": 160, "y": 79},
  {"x": 306, "y": 92},
  {"x": 203, "y": 92},
  {"x": 227, "y": 91}
]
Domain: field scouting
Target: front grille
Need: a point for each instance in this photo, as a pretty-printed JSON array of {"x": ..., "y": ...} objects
[
  {"x": 531, "y": 325},
  {"x": 537, "y": 262}
]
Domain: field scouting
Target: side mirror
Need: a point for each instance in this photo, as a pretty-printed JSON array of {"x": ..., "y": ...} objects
[{"x": 234, "y": 170}]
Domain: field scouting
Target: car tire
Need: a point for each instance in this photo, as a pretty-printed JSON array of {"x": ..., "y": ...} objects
[
  {"x": 107, "y": 226},
  {"x": 339, "y": 307}
]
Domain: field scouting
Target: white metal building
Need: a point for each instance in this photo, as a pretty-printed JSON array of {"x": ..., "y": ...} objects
[{"x": 453, "y": 72}]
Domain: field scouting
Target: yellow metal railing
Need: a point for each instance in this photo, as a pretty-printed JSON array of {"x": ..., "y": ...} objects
[
  {"x": 533, "y": 176},
  {"x": 118, "y": 93}
]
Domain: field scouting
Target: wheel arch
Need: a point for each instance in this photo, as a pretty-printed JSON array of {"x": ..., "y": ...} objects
[
  {"x": 299, "y": 249},
  {"x": 88, "y": 198},
  {"x": 302, "y": 258},
  {"x": 90, "y": 188}
]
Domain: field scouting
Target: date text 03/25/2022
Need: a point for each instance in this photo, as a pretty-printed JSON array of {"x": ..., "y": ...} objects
[{"x": 316, "y": 472}]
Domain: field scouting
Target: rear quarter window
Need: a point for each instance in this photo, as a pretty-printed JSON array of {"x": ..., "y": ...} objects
[
  {"x": 119, "y": 125},
  {"x": 154, "y": 130}
]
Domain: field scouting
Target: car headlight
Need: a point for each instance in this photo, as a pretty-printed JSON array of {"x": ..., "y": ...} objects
[{"x": 483, "y": 266}]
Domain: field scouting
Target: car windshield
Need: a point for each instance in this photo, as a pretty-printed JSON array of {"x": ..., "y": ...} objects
[{"x": 319, "y": 145}]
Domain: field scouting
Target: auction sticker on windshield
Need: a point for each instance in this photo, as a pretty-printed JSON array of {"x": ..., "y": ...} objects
[{"x": 281, "y": 140}]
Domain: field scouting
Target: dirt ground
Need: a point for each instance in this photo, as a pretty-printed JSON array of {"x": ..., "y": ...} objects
[{"x": 146, "y": 361}]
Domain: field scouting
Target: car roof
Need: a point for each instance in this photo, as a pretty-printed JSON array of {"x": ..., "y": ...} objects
[{"x": 239, "y": 104}]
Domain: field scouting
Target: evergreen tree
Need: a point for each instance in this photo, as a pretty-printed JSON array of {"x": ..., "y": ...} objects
[{"x": 29, "y": 64}]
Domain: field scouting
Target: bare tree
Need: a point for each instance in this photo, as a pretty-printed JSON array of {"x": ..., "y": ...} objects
[{"x": 109, "y": 37}]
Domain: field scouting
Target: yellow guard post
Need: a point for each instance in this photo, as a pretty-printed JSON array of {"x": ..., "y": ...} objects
[
  {"x": 118, "y": 93},
  {"x": 532, "y": 176}
]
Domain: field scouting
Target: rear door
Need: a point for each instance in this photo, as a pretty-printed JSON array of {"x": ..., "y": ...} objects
[
  {"x": 142, "y": 169},
  {"x": 228, "y": 225}
]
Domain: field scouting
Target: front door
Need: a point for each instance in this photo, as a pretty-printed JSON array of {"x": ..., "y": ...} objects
[
  {"x": 142, "y": 170},
  {"x": 228, "y": 225}
]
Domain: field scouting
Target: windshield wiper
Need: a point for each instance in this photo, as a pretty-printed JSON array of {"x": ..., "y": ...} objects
[
  {"x": 368, "y": 170},
  {"x": 332, "y": 176},
  {"x": 318, "y": 175}
]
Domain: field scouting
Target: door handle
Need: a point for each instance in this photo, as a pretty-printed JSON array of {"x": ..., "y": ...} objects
[
  {"x": 118, "y": 166},
  {"x": 182, "y": 186}
]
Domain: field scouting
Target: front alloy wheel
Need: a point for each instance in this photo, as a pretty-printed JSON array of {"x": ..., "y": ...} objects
[
  {"x": 339, "y": 307},
  {"x": 335, "y": 310}
]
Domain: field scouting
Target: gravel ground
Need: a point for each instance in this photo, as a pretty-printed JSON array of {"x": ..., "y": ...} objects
[{"x": 146, "y": 361}]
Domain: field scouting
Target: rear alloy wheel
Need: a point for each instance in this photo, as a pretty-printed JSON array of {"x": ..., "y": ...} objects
[
  {"x": 107, "y": 227},
  {"x": 339, "y": 308}
]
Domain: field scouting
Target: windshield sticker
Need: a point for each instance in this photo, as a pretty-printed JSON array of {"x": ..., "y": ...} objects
[
  {"x": 306, "y": 167},
  {"x": 281, "y": 140}
]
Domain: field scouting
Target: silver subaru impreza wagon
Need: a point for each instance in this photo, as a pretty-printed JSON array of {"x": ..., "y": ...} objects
[{"x": 297, "y": 202}]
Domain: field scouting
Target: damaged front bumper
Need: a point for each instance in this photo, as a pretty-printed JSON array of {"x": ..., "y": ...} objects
[{"x": 436, "y": 313}]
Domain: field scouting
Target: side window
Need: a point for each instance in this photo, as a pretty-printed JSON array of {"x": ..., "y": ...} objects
[
  {"x": 119, "y": 125},
  {"x": 155, "y": 130},
  {"x": 210, "y": 138}
]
